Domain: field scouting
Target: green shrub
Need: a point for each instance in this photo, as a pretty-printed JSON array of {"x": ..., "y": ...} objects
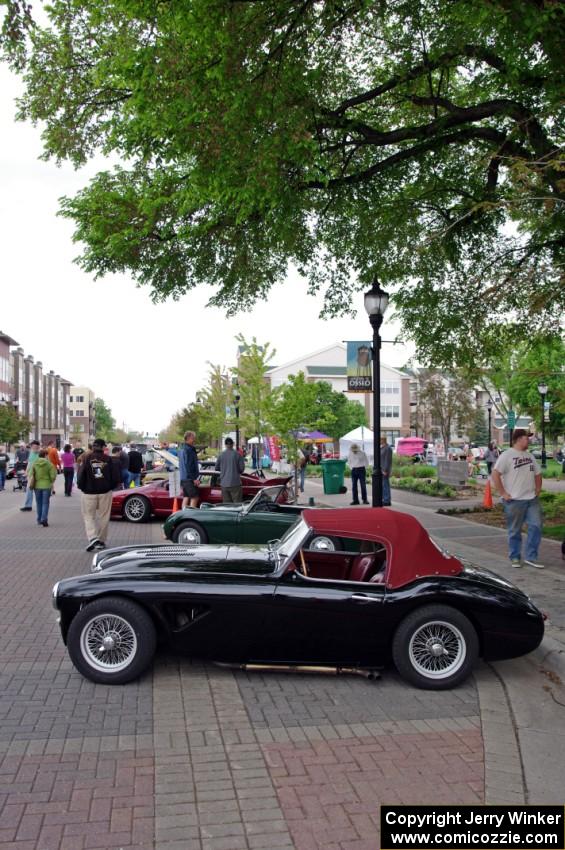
[
  {"x": 553, "y": 504},
  {"x": 428, "y": 488}
]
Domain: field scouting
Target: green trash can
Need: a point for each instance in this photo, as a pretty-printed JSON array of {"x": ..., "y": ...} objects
[{"x": 333, "y": 474}]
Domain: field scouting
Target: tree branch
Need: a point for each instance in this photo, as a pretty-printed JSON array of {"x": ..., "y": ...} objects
[{"x": 466, "y": 134}]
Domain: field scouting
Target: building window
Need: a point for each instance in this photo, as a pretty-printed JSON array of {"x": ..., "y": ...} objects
[
  {"x": 79, "y": 398},
  {"x": 390, "y": 388},
  {"x": 79, "y": 412},
  {"x": 390, "y": 411}
]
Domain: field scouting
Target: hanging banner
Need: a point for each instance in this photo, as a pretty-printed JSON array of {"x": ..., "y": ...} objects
[
  {"x": 266, "y": 447},
  {"x": 274, "y": 449},
  {"x": 547, "y": 411},
  {"x": 359, "y": 377}
]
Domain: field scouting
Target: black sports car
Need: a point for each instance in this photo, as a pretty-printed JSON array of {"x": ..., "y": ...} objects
[{"x": 387, "y": 592}]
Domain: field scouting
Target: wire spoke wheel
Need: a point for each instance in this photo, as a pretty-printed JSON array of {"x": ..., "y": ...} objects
[
  {"x": 108, "y": 642},
  {"x": 437, "y": 649}
]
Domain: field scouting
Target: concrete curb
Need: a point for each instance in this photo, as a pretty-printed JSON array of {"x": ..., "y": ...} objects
[
  {"x": 550, "y": 656},
  {"x": 504, "y": 771}
]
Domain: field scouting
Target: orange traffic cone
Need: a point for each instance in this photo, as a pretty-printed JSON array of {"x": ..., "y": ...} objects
[
  {"x": 176, "y": 505},
  {"x": 487, "y": 498}
]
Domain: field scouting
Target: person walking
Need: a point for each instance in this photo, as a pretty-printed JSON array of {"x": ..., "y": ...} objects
[
  {"x": 135, "y": 466},
  {"x": 4, "y": 460},
  {"x": 301, "y": 464},
  {"x": 53, "y": 456},
  {"x": 491, "y": 456},
  {"x": 231, "y": 466},
  {"x": 22, "y": 458},
  {"x": 517, "y": 477},
  {"x": 358, "y": 463},
  {"x": 189, "y": 472},
  {"x": 124, "y": 465},
  {"x": 98, "y": 475},
  {"x": 41, "y": 476},
  {"x": 33, "y": 455},
  {"x": 115, "y": 455},
  {"x": 386, "y": 469},
  {"x": 68, "y": 461}
]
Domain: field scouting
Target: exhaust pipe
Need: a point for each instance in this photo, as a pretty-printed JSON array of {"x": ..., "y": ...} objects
[{"x": 370, "y": 675}]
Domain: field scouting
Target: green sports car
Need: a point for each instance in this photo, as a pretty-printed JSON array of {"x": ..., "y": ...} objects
[{"x": 265, "y": 518}]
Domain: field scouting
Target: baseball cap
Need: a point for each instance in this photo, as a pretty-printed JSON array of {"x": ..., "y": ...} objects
[
  {"x": 99, "y": 443},
  {"x": 520, "y": 432}
]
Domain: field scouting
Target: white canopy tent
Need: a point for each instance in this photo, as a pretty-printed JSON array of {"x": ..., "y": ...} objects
[{"x": 363, "y": 436}]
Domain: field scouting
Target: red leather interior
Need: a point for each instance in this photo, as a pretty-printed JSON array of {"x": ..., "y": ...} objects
[
  {"x": 367, "y": 566},
  {"x": 362, "y": 568}
]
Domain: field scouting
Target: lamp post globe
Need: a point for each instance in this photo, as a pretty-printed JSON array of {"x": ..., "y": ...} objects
[
  {"x": 376, "y": 302},
  {"x": 542, "y": 390}
]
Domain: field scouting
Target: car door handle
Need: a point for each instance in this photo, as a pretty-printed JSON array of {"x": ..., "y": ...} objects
[{"x": 363, "y": 597}]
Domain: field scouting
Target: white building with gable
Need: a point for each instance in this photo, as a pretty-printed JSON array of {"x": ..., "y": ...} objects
[{"x": 330, "y": 364}]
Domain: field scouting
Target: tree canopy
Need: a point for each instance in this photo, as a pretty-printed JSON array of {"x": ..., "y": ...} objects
[
  {"x": 416, "y": 140},
  {"x": 105, "y": 422},
  {"x": 13, "y": 426}
]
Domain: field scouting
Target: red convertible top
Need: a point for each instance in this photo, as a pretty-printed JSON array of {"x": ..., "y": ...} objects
[{"x": 410, "y": 552}]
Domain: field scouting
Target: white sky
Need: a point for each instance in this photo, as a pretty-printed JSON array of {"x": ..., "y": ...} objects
[{"x": 107, "y": 334}]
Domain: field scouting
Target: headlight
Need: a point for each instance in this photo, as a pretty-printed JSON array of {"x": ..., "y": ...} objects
[{"x": 54, "y": 593}]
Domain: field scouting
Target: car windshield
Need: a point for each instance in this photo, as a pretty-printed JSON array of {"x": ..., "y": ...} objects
[
  {"x": 268, "y": 495},
  {"x": 290, "y": 543}
]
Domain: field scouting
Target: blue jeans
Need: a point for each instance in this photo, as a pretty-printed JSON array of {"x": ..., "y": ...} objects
[
  {"x": 42, "y": 498},
  {"x": 125, "y": 478},
  {"x": 29, "y": 498},
  {"x": 386, "y": 490},
  {"x": 358, "y": 477},
  {"x": 518, "y": 512},
  {"x": 2, "y": 478},
  {"x": 301, "y": 477},
  {"x": 135, "y": 477}
]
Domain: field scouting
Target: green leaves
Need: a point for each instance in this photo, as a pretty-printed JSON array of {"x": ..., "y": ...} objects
[
  {"x": 421, "y": 142},
  {"x": 104, "y": 421},
  {"x": 13, "y": 427}
]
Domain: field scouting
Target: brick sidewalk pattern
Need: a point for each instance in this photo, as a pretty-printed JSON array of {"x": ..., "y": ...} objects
[{"x": 196, "y": 757}]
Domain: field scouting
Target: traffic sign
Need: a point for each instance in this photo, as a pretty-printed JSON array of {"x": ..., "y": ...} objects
[{"x": 511, "y": 419}]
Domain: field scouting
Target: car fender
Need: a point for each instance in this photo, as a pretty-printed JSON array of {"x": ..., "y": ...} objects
[{"x": 69, "y": 607}]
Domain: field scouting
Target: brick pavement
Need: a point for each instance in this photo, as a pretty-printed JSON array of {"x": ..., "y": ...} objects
[{"x": 194, "y": 757}]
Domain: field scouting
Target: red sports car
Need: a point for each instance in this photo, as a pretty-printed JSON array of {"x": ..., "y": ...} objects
[{"x": 139, "y": 503}]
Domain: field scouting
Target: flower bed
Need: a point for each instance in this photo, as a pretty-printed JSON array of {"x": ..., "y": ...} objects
[{"x": 553, "y": 506}]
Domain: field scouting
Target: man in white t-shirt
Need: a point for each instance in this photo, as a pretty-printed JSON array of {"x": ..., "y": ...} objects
[{"x": 517, "y": 477}]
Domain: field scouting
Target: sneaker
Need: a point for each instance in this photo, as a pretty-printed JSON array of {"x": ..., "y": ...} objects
[
  {"x": 45, "y": 524},
  {"x": 26, "y": 509},
  {"x": 531, "y": 563},
  {"x": 354, "y": 503},
  {"x": 99, "y": 544},
  {"x": 515, "y": 562},
  {"x": 92, "y": 544},
  {"x": 365, "y": 502}
]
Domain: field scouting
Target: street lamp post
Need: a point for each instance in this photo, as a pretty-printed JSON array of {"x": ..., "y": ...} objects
[
  {"x": 376, "y": 302},
  {"x": 542, "y": 390},
  {"x": 489, "y": 408},
  {"x": 236, "y": 400}
]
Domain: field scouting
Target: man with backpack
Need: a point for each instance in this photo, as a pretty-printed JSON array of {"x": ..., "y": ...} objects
[{"x": 98, "y": 475}]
